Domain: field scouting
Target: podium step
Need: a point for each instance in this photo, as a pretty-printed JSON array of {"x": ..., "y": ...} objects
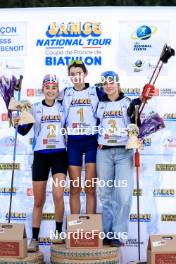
[
  {"x": 32, "y": 258},
  {"x": 106, "y": 255}
]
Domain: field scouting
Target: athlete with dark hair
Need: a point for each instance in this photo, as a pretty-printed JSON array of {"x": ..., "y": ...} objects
[{"x": 80, "y": 105}]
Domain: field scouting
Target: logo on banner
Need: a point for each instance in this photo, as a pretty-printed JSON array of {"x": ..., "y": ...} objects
[
  {"x": 156, "y": 92},
  {"x": 72, "y": 29},
  {"x": 17, "y": 216},
  {"x": 168, "y": 217},
  {"x": 169, "y": 142},
  {"x": 44, "y": 240},
  {"x": 7, "y": 191},
  {"x": 9, "y": 166},
  {"x": 138, "y": 65},
  {"x": 131, "y": 91},
  {"x": 141, "y": 34},
  {"x": 167, "y": 92},
  {"x": 12, "y": 38},
  {"x": 152, "y": 65},
  {"x": 48, "y": 216},
  {"x": 170, "y": 116},
  {"x": 142, "y": 217},
  {"x": 87, "y": 37},
  {"x": 30, "y": 92},
  {"x": 29, "y": 192},
  {"x": 139, "y": 192},
  {"x": 132, "y": 242},
  {"x": 7, "y": 143},
  {"x": 4, "y": 117},
  {"x": 165, "y": 167},
  {"x": 30, "y": 141},
  {"x": 38, "y": 92},
  {"x": 34, "y": 92},
  {"x": 164, "y": 193},
  {"x": 147, "y": 142},
  {"x": 8, "y": 30}
]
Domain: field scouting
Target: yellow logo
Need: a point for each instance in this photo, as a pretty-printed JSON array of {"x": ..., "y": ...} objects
[
  {"x": 72, "y": 29},
  {"x": 9, "y": 166},
  {"x": 165, "y": 167},
  {"x": 139, "y": 192},
  {"x": 168, "y": 217},
  {"x": 164, "y": 192},
  {"x": 48, "y": 216},
  {"x": 7, "y": 190},
  {"x": 16, "y": 215},
  {"x": 142, "y": 217}
]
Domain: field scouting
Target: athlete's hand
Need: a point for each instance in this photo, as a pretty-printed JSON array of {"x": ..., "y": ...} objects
[{"x": 148, "y": 92}]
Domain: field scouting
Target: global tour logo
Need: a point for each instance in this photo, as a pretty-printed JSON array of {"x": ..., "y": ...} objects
[
  {"x": 141, "y": 36},
  {"x": 143, "y": 32},
  {"x": 138, "y": 65}
]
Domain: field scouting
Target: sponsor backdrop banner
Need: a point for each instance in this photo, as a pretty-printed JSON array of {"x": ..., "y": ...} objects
[
  {"x": 34, "y": 42},
  {"x": 142, "y": 43}
]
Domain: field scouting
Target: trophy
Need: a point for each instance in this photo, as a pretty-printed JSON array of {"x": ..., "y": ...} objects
[
  {"x": 24, "y": 107},
  {"x": 7, "y": 89},
  {"x": 133, "y": 141}
]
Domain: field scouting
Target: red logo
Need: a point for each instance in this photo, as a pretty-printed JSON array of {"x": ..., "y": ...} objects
[
  {"x": 169, "y": 258},
  {"x": 106, "y": 136},
  {"x": 156, "y": 92},
  {"x": 30, "y": 192},
  {"x": 74, "y": 125},
  {"x": 45, "y": 141},
  {"x": 30, "y": 92},
  {"x": 4, "y": 117}
]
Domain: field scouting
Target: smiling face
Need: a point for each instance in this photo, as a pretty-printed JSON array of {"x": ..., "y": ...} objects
[
  {"x": 50, "y": 91},
  {"x": 111, "y": 87},
  {"x": 77, "y": 75}
]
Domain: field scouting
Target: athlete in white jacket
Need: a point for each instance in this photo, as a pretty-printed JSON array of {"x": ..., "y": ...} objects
[{"x": 49, "y": 154}]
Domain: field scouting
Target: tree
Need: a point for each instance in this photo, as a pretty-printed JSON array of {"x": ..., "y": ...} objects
[{"x": 67, "y": 3}]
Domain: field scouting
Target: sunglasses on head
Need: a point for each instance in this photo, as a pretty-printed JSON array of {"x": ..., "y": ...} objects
[
  {"x": 75, "y": 61},
  {"x": 50, "y": 78}
]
